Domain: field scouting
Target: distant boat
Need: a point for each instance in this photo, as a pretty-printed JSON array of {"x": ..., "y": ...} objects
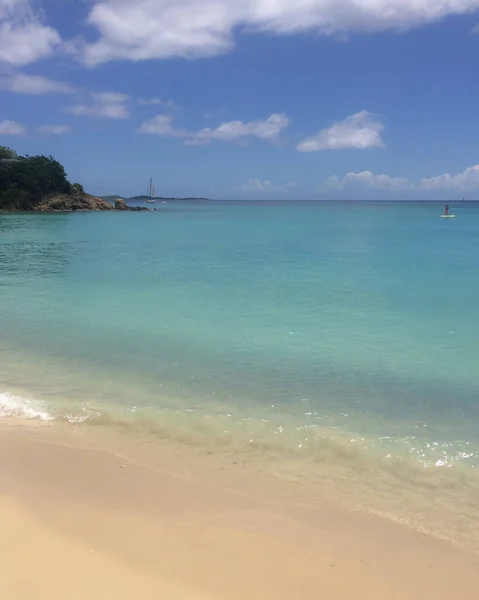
[{"x": 151, "y": 193}]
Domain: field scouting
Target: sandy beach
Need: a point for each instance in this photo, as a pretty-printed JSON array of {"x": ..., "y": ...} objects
[{"x": 81, "y": 520}]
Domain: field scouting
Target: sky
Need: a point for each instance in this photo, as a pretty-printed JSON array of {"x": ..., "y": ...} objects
[{"x": 247, "y": 99}]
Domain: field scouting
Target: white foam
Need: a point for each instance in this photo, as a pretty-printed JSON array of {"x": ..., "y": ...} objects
[{"x": 23, "y": 408}]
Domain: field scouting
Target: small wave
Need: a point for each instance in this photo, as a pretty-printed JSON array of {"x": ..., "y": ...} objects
[
  {"x": 414, "y": 461},
  {"x": 23, "y": 408},
  {"x": 432, "y": 486},
  {"x": 314, "y": 444},
  {"x": 30, "y": 408}
]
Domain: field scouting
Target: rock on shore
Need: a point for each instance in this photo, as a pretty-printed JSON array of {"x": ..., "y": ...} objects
[
  {"x": 73, "y": 201},
  {"x": 80, "y": 201},
  {"x": 122, "y": 205}
]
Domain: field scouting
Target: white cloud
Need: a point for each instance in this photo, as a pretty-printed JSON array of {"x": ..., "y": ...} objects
[
  {"x": 34, "y": 85},
  {"x": 156, "y": 102},
  {"x": 214, "y": 114},
  {"x": 12, "y": 128},
  {"x": 23, "y": 38},
  {"x": 268, "y": 130},
  {"x": 361, "y": 130},
  {"x": 233, "y": 130},
  {"x": 467, "y": 180},
  {"x": 109, "y": 105},
  {"x": 147, "y": 29},
  {"x": 163, "y": 125},
  {"x": 257, "y": 185},
  {"x": 53, "y": 129},
  {"x": 369, "y": 180}
]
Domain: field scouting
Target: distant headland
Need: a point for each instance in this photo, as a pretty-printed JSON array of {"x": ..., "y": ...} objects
[{"x": 145, "y": 198}]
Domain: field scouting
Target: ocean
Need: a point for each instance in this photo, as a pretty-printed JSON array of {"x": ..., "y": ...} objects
[{"x": 333, "y": 344}]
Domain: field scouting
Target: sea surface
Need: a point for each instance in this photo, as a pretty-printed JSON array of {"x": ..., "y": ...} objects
[{"x": 336, "y": 344}]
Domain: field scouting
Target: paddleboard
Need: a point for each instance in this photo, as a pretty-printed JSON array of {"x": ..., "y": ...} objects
[{"x": 448, "y": 216}]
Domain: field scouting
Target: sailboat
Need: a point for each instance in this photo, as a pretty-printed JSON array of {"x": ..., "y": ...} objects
[{"x": 151, "y": 193}]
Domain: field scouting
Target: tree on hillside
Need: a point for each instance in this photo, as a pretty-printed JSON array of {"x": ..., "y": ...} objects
[
  {"x": 6, "y": 152},
  {"x": 24, "y": 184},
  {"x": 44, "y": 175}
]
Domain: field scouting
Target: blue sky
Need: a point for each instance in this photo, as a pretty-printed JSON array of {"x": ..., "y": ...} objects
[{"x": 337, "y": 99}]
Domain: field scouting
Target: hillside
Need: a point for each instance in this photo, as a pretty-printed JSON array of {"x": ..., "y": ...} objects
[{"x": 39, "y": 183}]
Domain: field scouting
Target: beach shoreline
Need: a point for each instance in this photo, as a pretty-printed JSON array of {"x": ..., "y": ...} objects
[{"x": 89, "y": 515}]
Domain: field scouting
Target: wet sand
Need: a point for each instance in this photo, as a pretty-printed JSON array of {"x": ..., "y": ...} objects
[{"x": 86, "y": 518}]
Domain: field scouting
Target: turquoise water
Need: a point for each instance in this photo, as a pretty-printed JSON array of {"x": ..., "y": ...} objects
[{"x": 324, "y": 334}]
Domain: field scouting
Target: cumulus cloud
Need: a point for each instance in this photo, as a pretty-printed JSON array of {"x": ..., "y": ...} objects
[
  {"x": 369, "y": 180},
  {"x": 147, "y": 29},
  {"x": 34, "y": 85},
  {"x": 467, "y": 180},
  {"x": 268, "y": 130},
  {"x": 163, "y": 125},
  {"x": 361, "y": 130},
  {"x": 167, "y": 103},
  {"x": 214, "y": 114},
  {"x": 12, "y": 128},
  {"x": 24, "y": 39},
  {"x": 257, "y": 185},
  {"x": 232, "y": 130},
  {"x": 53, "y": 129},
  {"x": 108, "y": 105}
]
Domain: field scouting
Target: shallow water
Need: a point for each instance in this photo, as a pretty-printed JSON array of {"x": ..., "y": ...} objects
[{"x": 336, "y": 341}]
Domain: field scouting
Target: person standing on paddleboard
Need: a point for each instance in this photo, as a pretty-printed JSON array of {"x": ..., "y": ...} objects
[{"x": 446, "y": 211}]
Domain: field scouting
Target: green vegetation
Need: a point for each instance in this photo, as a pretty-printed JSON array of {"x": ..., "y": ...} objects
[
  {"x": 7, "y": 153},
  {"x": 26, "y": 180}
]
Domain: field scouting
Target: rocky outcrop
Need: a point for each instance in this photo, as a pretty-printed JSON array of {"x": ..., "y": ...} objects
[
  {"x": 78, "y": 200},
  {"x": 75, "y": 201},
  {"x": 122, "y": 205}
]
